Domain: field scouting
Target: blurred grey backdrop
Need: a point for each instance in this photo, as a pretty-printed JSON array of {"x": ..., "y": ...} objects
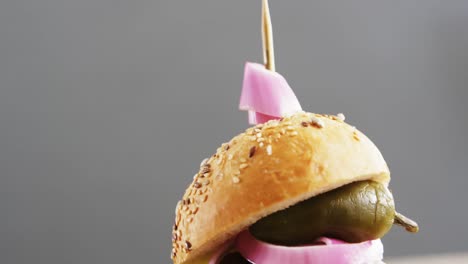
[{"x": 108, "y": 106}]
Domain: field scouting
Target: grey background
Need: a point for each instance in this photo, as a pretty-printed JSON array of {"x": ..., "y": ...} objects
[{"x": 107, "y": 108}]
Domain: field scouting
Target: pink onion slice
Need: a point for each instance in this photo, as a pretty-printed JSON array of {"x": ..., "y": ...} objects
[
  {"x": 258, "y": 118},
  {"x": 266, "y": 95},
  {"x": 334, "y": 251}
]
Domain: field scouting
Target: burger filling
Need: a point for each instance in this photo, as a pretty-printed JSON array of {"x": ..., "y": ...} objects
[{"x": 347, "y": 222}]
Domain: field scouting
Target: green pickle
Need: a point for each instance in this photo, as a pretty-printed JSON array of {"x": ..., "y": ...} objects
[{"x": 356, "y": 212}]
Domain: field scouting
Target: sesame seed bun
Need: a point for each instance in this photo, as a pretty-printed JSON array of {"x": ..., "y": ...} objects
[{"x": 267, "y": 169}]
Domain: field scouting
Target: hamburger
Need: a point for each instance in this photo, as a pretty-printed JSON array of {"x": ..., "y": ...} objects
[{"x": 307, "y": 188}]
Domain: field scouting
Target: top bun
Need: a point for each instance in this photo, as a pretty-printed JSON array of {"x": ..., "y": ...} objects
[{"x": 266, "y": 169}]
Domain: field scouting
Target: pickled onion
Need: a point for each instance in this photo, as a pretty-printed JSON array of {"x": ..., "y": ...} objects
[
  {"x": 266, "y": 95},
  {"x": 334, "y": 251}
]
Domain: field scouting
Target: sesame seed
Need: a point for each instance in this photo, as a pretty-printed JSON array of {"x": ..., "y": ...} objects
[
  {"x": 243, "y": 160},
  {"x": 195, "y": 176},
  {"x": 341, "y": 116},
  {"x": 194, "y": 211},
  {"x": 356, "y": 137},
  {"x": 252, "y": 151},
  {"x": 243, "y": 166},
  {"x": 220, "y": 176},
  {"x": 259, "y": 135},
  {"x": 261, "y": 144},
  {"x": 188, "y": 245},
  {"x": 230, "y": 157},
  {"x": 190, "y": 219},
  {"x": 316, "y": 122},
  {"x": 294, "y": 133},
  {"x": 237, "y": 172},
  {"x": 204, "y": 162},
  {"x": 260, "y": 140},
  {"x": 197, "y": 185},
  {"x": 205, "y": 198},
  {"x": 219, "y": 160},
  {"x": 206, "y": 175},
  {"x": 304, "y": 124},
  {"x": 205, "y": 170},
  {"x": 269, "y": 150},
  {"x": 174, "y": 237},
  {"x": 289, "y": 128},
  {"x": 235, "y": 179},
  {"x": 175, "y": 227},
  {"x": 253, "y": 138}
]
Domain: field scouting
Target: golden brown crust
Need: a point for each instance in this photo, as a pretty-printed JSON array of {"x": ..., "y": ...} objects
[{"x": 266, "y": 169}]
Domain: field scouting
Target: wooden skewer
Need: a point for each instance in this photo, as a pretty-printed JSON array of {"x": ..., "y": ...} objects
[
  {"x": 408, "y": 224},
  {"x": 267, "y": 36}
]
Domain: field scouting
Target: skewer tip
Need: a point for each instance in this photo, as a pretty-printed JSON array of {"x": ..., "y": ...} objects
[{"x": 267, "y": 36}]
